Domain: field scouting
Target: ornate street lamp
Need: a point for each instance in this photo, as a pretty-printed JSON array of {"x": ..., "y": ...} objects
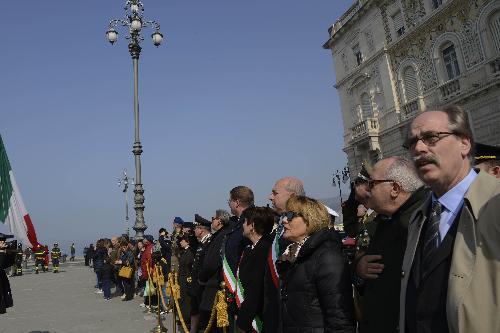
[
  {"x": 135, "y": 22},
  {"x": 339, "y": 175},
  {"x": 123, "y": 182}
]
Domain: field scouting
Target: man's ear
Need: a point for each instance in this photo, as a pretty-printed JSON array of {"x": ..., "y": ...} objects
[
  {"x": 495, "y": 171},
  {"x": 395, "y": 190},
  {"x": 465, "y": 145}
]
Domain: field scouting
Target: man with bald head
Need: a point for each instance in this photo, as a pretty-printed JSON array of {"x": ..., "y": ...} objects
[
  {"x": 283, "y": 189},
  {"x": 451, "y": 270}
]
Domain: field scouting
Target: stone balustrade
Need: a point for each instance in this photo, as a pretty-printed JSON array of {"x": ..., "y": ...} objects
[
  {"x": 368, "y": 126},
  {"x": 450, "y": 89}
]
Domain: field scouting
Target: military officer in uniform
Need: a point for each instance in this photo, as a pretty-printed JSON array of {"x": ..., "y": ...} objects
[
  {"x": 175, "y": 237},
  {"x": 185, "y": 278},
  {"x": 55, "y": 255},
  {"x": 487, "y": 159},
  {"x": 39, "y": 258},
  {"x": 202, "y": 232}
]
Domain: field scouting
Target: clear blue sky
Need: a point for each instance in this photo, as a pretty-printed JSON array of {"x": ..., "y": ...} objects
[{"x": 240, "y": 93}]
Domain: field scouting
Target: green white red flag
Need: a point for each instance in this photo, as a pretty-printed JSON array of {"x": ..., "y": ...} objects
[{"x": 12, "y": 209}]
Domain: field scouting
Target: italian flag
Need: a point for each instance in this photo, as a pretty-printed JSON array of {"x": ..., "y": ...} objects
[{"x": 12, "y": 209}]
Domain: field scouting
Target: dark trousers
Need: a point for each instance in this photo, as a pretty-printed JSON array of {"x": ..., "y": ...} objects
[
  {"x": 98, "y": 274},
  {"x": 128, "y": 286},
  {"x": 118, "y": 281},
  {"x": 106, "y": 288}
]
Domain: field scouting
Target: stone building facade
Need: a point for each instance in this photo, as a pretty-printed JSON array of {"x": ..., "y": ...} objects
[{"x": 396, "y": 58}]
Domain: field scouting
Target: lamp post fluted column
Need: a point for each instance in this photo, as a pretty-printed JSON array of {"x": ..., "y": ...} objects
[{"x": 134, "y": 21}]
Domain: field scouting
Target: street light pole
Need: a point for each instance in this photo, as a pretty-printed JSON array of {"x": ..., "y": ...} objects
[
  {"x": 337, "y": 176},
  {"x": 124, "y": 182},
  {"x": 134, "y": 21}
]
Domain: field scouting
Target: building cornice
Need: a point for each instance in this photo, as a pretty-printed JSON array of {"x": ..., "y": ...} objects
[{"x": 350, "y": 17}]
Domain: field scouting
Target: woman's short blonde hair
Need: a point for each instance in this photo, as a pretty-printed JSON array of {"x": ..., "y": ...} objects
[{"x": 312, "y": 211}]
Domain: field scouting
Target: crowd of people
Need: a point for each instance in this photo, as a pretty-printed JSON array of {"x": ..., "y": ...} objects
[{"x": 426, "y": 257}]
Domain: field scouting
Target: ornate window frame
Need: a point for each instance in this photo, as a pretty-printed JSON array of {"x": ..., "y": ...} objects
[
  {"x": 484, "y": 29},
  {"x": 440, "y": 44},
  {"x": 402, "y": 67}
]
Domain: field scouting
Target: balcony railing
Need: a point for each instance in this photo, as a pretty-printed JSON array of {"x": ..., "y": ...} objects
[
  {"x": 411, "y": 108},
  {"x": 368, "y": 126},
  {"x": 450, "y": 89}
]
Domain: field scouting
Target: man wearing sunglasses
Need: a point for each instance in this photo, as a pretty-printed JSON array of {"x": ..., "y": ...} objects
[
  {"x": 396, "y": 191},
  {"x": 451, "y": 270}
]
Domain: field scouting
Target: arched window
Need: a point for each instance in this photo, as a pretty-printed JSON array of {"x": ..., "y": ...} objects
[
  {"x": 450, "y": 61},
  {"x": 410, "y": 84},
  {"x": 366, "y": 106},
  {"x": 494, "y": 25}
]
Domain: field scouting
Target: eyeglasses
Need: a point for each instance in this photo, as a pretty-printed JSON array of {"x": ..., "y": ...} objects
[
  {"x": 291, "y": 215},
  {"x": 373, "y": 182},
  {"x": 215, "y": 218},
  {"x": 428, "y": 138}
]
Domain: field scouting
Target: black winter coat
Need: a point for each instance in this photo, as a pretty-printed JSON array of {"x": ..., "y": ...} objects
[
  {"x": 210, "y": 274},
  {"x": 98, "y": 258},
  {"x": 6, "y": 260},
  {"x": 251, "y": 270},
  {"x": 316, "y": 289}
]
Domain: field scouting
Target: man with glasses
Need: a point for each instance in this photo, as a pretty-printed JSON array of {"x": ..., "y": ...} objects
[
  {"x": 396, "y": 191},
  {"x": 210, "y": 273},
  {"x": 451, "y": 271}
]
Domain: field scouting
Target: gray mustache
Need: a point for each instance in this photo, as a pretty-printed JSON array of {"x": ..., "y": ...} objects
[{"x": 420, "y": 160}]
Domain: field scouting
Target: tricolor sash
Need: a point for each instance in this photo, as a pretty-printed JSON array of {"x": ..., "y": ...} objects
[
  {"x": 240, "y": 298},
  {"x": 274, "y": 252}
]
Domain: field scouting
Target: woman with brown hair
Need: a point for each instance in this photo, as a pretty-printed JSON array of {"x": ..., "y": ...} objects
[
  {"x": 316, "y": 292},
  {"x": 127, "y": 260}
]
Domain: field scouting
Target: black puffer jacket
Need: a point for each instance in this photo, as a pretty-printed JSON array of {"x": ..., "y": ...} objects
[{"x": 316, "y": 289}]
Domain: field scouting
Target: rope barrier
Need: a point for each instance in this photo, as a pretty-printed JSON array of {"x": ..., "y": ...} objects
[
  {"x": 218, "y": 314},
  {"x": 175, "y": 290},
  {"x": 219, "y": 308}
]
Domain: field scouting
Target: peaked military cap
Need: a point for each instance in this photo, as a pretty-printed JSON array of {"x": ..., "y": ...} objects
[
  {"x": 486, "y": 153},
  {"x": 202, "y": 222},
  {"x": 189, "y": 225}
]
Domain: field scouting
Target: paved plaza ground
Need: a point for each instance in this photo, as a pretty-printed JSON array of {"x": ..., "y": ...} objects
[{"x": 66, "y": 303}]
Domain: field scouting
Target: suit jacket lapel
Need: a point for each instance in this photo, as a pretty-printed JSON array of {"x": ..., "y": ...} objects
[{"x": 414, "y": 231}]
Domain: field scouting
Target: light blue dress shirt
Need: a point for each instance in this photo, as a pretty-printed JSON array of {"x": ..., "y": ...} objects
[{"x": 452, "y": 202}]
